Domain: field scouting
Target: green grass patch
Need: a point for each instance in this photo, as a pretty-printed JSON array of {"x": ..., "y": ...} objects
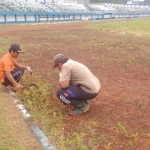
[
  {"x": 5, "y": 42},
  {"x": 142, "y": 26}
]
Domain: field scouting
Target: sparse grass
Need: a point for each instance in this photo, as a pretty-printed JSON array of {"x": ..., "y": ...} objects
[
  {"x": 100, "y": 50},
  {"x": 147, "y": 134},
  {"x": 8, "y": 126},
  {"x": 134, "y": 26},
  {"x": 51, "y": 118},
  {"x": 126, "y": 134},
  {"x": 5, "y": 42}
]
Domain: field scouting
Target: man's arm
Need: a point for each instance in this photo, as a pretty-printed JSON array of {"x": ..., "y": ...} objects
[
  {"x": 64, "y": 84},
  {"x": 20, "y": 66},
  {"x": 24, "y": 67}
]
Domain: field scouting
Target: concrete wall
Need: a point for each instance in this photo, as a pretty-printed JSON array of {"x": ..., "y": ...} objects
[{"x": 25, "y": 17}]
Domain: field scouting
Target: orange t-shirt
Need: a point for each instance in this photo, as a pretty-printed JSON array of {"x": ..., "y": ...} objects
[{"x": 7, "y": 63}]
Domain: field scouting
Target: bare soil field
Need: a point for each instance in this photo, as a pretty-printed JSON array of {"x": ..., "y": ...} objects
[{"x": 120, "y": 113}]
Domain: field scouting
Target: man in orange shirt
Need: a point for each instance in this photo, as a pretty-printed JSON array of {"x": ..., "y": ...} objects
[{"x": 11, "y": 71}]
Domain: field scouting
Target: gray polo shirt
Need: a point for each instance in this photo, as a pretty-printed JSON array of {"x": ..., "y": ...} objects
[{"x": 79, "y": 74}]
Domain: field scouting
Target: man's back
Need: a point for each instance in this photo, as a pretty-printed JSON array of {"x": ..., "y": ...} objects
[
  {"x": 79, "y": 74},
  {"x": 6, "y": 64}
]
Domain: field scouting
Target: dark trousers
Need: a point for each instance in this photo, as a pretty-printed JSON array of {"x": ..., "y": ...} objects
[
  {"x": 16, "y": 73},
  {"x": 75, "y": 95}
]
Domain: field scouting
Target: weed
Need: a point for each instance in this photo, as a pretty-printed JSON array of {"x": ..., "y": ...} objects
[
  {"x": 135, "y": 136},
  {"x": 123, "y": 129},
  {"x": 147, "y": 134},
  {"x": 41, "y": 109},
  {"x": 104, "y": 138},
  {"x": 108, "y": 146}
]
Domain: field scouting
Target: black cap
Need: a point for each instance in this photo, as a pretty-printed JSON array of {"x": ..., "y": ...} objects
[
  {"x": 15, "y": 47},
  {"x": 57, "y": 59}
]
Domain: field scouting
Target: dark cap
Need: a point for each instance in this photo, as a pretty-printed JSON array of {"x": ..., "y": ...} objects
[
  {"x": 57, "y": 59},
  {"x": 15, "y": 47}
]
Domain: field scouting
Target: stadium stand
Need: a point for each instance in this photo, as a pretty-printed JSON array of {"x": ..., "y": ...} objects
[
  {"x": 101, "y": 8},
  {"x": 107, "y": 7},
  {"x": 67, "y": 7},
  {"x": 49, "y": 6},
  {"x": 51, "y": 10},
  {"x": 130, "y": 8},
  {"x": 23, "y": 5}
]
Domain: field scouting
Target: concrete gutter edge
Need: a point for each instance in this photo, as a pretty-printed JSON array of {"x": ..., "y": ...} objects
[{"x": 35, "y": 130}]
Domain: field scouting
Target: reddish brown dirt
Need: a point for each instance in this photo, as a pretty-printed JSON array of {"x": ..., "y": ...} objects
[{"x": 121, "y": 62}]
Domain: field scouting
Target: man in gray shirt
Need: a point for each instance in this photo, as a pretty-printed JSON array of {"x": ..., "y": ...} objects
[{"x": 77, "y": 83}]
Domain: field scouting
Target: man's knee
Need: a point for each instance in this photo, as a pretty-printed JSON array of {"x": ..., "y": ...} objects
[
  {"x": 59, "y": 92},
  {"x": 18, "y": 71},
  {"x": 61, "y": 96},
  {"x": 17, "y": 74},
  {"x": 22, "y": 70}
]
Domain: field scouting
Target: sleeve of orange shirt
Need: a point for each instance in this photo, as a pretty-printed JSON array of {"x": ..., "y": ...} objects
[
  {"x": 15, "y": 63},
  {"x": 9, "y": 63}
]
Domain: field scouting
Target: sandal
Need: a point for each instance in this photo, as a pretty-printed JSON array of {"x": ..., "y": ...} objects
[{"x": 11, "y": 92}]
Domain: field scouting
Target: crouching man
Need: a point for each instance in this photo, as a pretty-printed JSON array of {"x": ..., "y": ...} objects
[
  {"x": 11, "y": 71},
  {"x": 78, "y": 84}
]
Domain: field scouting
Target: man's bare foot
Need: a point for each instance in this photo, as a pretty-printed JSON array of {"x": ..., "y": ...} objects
[
  {"x": 9, "y": 87},
  {"x": 15, "y": 89}
]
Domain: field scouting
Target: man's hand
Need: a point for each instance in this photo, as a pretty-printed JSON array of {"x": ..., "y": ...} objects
[
  {"x": 59, "y": 74},
  {"x": 18, "y": 86},
  {"x": 29, "y": 70}
]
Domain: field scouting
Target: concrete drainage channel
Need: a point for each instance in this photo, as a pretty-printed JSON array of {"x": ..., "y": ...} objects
[{"x": 35, "y": 130}]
